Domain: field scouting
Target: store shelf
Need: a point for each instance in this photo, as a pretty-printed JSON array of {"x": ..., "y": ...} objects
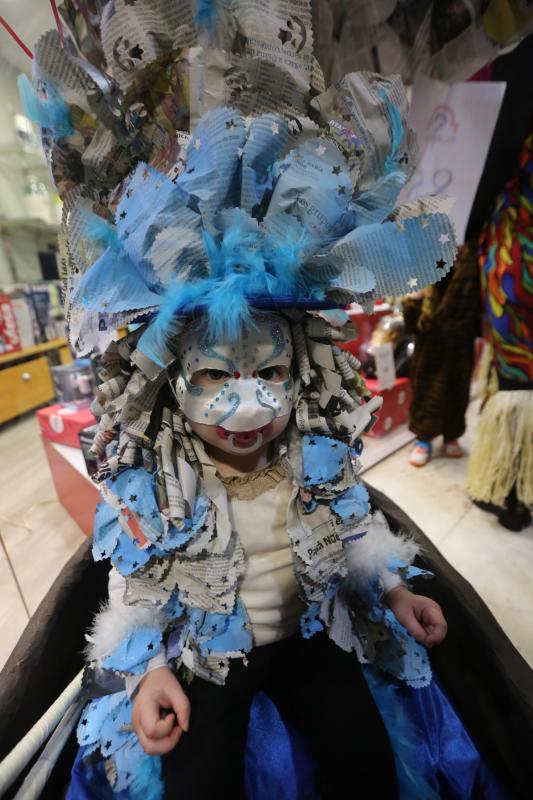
[
  {"x": 30, "y": 352},
  {"x": 25, "y": 378}
]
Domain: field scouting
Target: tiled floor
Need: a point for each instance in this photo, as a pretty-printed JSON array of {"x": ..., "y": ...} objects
[{"x": 39, "y": 536}]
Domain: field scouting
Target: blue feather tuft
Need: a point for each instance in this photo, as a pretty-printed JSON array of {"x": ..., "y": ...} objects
[
  {"x": 285, "y": 253},
  {"x": 96, "y": 228},
  {"x": 206, "y": 13},
  {"x": 397, "y": 132},
  {"x": 246, "y": 262}
]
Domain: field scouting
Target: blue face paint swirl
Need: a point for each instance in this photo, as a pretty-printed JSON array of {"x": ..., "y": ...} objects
[
  {"x": 191, "y": 387},
  {"x": 259, "y": 395},
  {"x": 235, "y": 401}
]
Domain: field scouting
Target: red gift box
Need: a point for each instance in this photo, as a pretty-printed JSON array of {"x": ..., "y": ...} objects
[
  {"x": 365, "y": 324},
  {"x": 9, "y": 331},
  {"x": 395, "y": 408},
  {"x": 63, "y": 423}
]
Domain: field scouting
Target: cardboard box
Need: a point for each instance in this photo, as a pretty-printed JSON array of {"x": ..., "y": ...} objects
[
  {"x": 9, "y": 332},
  {"x": 365, "y": 324},
  {"x": 395, "y": 409},
  {"x": 62, "y": 424},
  {"x": 75, "y": 490},
  {"x": 75, "y": 383},
  {"x": 24, "y": 319}
]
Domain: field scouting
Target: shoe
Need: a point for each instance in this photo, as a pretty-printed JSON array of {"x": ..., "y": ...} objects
[
  {"x": 420, "y": 454},
  {"x": 515, "y": 520},
  {"x": 453, "y": 449},
  {"x": 490, "y": 507}
]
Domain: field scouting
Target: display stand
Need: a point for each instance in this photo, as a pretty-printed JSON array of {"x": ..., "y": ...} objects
[
  {"x": 75, "y": 490},
  {"x": 25, "y": 379}
]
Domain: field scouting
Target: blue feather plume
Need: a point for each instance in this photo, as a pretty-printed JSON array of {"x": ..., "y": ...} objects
[
  {"x": 397, "y": 131},
  {"x": 206, "y": 13},
  {"x": 97, "y": 229}
]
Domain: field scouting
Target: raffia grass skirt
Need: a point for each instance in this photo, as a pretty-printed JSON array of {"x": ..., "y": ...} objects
[{"x": 502, "y": 454}]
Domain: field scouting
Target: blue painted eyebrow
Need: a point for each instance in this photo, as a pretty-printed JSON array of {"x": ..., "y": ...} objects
[
  {"x": 210, "y": 352},
  {"x": 278, "y": 343}
]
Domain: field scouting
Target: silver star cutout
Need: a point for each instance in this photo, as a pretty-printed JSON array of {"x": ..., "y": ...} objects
[
  {"x": 320, "y": 150},
  {"x": 444, "y": 238},
  {"x": 274, "y": 128},
  {"x": 413, "y": 283}
]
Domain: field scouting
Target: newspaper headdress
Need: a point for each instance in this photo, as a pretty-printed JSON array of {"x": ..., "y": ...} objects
[{"x": 203, "y": 167}]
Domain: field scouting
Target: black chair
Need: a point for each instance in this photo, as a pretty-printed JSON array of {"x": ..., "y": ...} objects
[{"x": 486, "y": 679}]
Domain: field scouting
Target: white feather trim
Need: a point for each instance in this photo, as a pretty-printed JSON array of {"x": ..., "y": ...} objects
[
  {"x": 371, "y": 555},
  {"x": 116, "y": 619}
]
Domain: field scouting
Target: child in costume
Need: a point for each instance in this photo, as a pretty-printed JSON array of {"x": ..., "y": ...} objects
[
  {"x": 240, "y": 416},
  {"x": 277, "y": 547},
  {"x": 217, "y": 195}
]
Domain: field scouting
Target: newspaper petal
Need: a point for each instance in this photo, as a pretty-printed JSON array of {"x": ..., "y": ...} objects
[
  {"x": 138, "y": 647},
  {"x": 212, "y": 161},
  {"x": 323, "y": 459},
  {"x": 93, "y": 716},
  {"x": 147, "y": 205},
  {"x": 352, "y": 505},
  {"x": 402, "y": 656},
  {"x": 396, "y": 252},
  {"x": 106, "y": 531},
  {"x": 127, "y": 557},
  {"x": 116, "y": 729},
  {"x": 267, "y": 137},
  {"x": 115, "y": 284},
  {"x": 314, "y": 171}
]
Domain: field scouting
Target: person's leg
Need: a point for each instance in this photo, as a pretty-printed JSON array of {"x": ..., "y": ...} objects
[
  {"x": 460, "y": 366},
  {"x": 208, "y": 761},
  {"x": 322, "y": 690}
]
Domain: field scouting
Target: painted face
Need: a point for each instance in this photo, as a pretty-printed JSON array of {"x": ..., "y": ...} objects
[{"x": 237, "y": 394}]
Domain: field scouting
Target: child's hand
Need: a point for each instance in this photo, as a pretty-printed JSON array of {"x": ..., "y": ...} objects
[
  {"x": 421, "y": 616},
  {"x": 158, "y": 730}
]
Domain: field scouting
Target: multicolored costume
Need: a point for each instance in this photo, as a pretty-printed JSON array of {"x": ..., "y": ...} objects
[
  {"x": 502, "y": 460},
  {"x": 212, "y": 184}
]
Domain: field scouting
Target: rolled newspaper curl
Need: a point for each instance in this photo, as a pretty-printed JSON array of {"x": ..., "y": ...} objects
[
  {"x": 37, "y": 777},
  {"x": 14, "y": 763}
]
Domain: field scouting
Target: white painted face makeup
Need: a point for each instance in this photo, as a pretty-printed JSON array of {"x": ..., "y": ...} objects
[{"x": 240, "y": 389}]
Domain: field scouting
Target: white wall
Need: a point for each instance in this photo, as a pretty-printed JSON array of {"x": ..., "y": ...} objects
[{"x": 23, "y": 243}]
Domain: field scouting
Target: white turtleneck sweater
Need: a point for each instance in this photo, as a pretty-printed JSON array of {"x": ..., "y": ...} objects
[{"x": 269, "y": 590}]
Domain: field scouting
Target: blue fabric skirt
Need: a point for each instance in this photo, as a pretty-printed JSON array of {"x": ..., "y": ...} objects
[{"x": 434, "y": 755}]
